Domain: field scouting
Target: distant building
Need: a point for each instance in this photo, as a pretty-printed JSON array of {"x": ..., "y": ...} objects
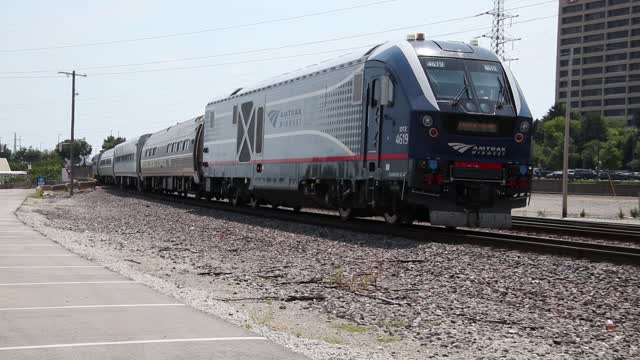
[{"x": 605, "y": 71}]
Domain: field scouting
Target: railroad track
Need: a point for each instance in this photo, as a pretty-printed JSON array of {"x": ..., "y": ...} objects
[
  {"x": 620, "y": 232},
  {"x": 580, "y": 249}
]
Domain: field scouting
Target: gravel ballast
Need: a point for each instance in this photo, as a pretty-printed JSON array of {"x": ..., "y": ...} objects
[{"x": 334, "y": 294}]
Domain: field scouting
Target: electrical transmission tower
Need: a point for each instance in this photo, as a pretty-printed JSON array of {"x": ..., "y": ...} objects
[{"x": 499, "y": 37}]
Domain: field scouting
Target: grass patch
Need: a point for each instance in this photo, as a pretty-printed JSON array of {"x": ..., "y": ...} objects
[
  {"x": 542, "y": 213},
  {"x": 261, "y": 317},
  {"x": 352, "y": 328},
  {"x": 388, "y": 339},
  {"x": 332, "y": 340},
  {"x": 621, "y": 214},
  {"x": 635, "y": 213},
  {"x": 248, "y": 326},
  {"x": 395, "y": 323}
]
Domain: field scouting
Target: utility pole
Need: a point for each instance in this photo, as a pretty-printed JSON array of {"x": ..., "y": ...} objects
[
  {"x": 15, "y": 142},
  {"x": 497, "y": 35},
  {"x": 567, "y": 128},
  {"x": 73, "y": 114}
]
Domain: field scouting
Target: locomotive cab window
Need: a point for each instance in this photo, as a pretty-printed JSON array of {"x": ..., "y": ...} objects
[{"x": 468, "y": 85}]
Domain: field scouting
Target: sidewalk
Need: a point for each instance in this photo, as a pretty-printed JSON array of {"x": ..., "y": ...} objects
[{"x": 57, "y": 305}]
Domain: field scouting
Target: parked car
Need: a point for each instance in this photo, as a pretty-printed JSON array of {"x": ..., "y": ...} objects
[{"x": 584, "y": 174}]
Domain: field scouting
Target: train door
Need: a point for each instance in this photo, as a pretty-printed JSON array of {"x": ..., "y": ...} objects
[
  {"x": 258, "y": 141},
  {"x": 374, "y": 113}
]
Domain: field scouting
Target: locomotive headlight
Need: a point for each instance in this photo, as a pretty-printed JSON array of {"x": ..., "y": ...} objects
[
  {"x": 524, "y": 126},
  {"x": 427, "y": 121}
]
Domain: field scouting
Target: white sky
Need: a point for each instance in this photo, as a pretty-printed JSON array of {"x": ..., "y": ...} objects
[{"x": 38, "y": 108}]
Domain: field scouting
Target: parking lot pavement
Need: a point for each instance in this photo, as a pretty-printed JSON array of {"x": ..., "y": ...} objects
[{"x": 57, "y": 305}]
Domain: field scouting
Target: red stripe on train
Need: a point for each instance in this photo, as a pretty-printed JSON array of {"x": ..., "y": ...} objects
[{"x": 477, "y": 165}]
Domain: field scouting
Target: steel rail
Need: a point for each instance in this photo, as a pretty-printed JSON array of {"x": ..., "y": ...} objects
[{"x": 612, "y": 231}]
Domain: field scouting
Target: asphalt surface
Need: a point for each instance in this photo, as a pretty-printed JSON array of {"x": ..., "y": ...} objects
[{"x": 56, "y": 305}]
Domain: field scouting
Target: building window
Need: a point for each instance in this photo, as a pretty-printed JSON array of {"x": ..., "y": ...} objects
[
  {"x": 617, "y": 34},
  {"x": 589, "y": 103},
  {"x": 564, "y": 73},
  {"x": 594, "y": 16},
  {"x": 614, "y": 112},
  {"x": 575, "y": 72},
  {"x": 634, "y": 77},
  {"x": 592, "y": 71},
  {"x": 634, "y": 55},
  {"x": 572, "y": 19},
  {"x": 617, "y": 23},
  {"x": 562, "y": 94},
  {"x": 572, "y": 9},
  {"x": 618, "y": 12},
  {"x": 570, "y": 41},
  {"x": 614, "y": 101},
  {"x": 592, "y": 38},
  {"x": 594, "y": 81},
  {"x": 635, "y": 9},
  {"x": 592, "y": 92},
  {"x": 635, "y": 32},
  {"x": 575, "y": 104},
  {"x": 592, "y": 60},
  {"x": 634, "y": 89},
  {"x": 594, "y": 27},
  {"x": 617, "y": 57},
  {"x": 571, "y": 30},
  {"x": 617, "y": 46},
  {"x": 614, "y": 90},
  {"x": 564, "y": 63},
  {"x": 634, "y": 100},
  {"x": 615, "y": 79},
  {"x": 634, "y": 67},
  {"x": 635, "y": 43},
  {"x": 618, "y": 2},
  {"x": 616, "y": 68},
  {"x": 562, "y": 84},
  {"x": 593, "y": 49},
  {"x": 575, "y": 93},
  {"x": 596, "y": 5}
]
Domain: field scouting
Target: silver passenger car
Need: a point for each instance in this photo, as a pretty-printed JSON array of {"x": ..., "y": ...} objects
[
  {"x": 170, "y": 158},
  {"x": 126, "y": 160},
  {"x": 105, "y": 167}
]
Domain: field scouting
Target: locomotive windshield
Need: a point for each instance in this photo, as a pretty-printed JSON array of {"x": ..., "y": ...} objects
[{"x": 472, "y": 85}]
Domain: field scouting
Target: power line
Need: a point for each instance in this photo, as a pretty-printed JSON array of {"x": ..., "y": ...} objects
[
  {"x": 111, "y": 42},
  {"x": 282, "y": 57},
  {"x": 272, "y": 48}
]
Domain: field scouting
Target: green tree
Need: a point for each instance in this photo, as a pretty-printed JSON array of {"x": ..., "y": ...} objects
[
  {"x": 81, "y": 149},
  {"x": 110, "y": 142}
]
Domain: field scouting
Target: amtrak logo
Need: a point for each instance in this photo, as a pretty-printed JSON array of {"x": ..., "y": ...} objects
[
  {"x": 273, "y": 116},
  {"x": 460, "y": 147},
  {"x": 479, "y": 150},
  {"x": 287, "y": 118}
]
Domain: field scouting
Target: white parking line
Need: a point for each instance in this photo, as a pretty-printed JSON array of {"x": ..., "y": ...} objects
[
  {"x": 47, "y": 255},
  {"x": 72, "y": 283},
  {"x": 131, "y": 342},
  {"x": 14, "y": 245},
  {"x": 49, "y": 266},
  {"x": 87, "y": 306}
]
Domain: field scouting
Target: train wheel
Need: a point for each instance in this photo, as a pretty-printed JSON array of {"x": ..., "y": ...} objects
[
  {"x": 235, "y": 198},
  {"x": 275, "y": 206},
  {"x": 254, "y": 202},
  {"x": 345, "y": 213},
  {"x": 398, "y": 218},
  {"x": 297, "y": 208}
]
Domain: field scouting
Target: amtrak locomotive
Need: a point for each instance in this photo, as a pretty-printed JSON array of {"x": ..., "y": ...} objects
[{"x": 410, "y": 130}]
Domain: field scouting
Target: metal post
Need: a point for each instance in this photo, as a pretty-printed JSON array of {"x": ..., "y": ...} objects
[
  {"x": 567, "y": 127},
  {"x": 73, "y": 113}
]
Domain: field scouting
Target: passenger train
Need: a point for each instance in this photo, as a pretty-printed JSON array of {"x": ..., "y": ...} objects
[{"x": 410, "y": 130}]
